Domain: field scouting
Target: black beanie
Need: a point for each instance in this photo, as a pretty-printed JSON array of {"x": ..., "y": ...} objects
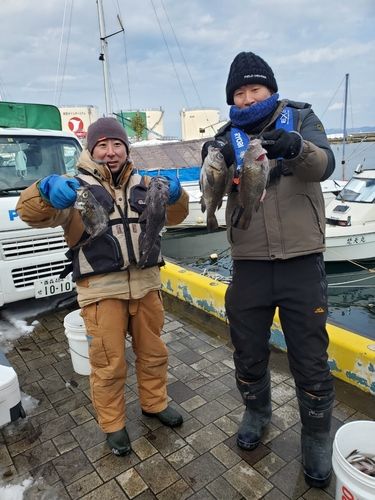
[
  {"x": 248, "y": 68},
  {"x": 105, "y": 128}
]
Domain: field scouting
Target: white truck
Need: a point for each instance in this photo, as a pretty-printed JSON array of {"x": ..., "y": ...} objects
[{"x": 31, "y": 260}]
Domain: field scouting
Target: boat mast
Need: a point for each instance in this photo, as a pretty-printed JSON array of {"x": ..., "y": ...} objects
[
  {"x": 344, "y": 129},
  {"x": 104, "y": 54},
  {"x": 103, "y": 57}
]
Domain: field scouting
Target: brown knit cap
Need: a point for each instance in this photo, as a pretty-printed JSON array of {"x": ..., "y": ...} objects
[{"x": 105, "y": 128}]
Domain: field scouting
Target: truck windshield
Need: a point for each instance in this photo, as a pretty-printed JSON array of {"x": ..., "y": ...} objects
[{"x": 25, "y": 159}]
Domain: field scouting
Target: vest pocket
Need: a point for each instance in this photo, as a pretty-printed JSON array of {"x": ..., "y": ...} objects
[
  {"x": 316, "y": 216},
  {"x": 104, "y": 255},
  {"x": 137, "y": 196}
]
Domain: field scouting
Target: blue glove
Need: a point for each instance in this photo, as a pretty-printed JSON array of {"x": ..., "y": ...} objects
[
  {"x": 59, "y": 191},
  {"x": 174, "y": 189}
]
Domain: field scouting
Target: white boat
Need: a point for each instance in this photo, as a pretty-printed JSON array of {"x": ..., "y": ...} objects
[
  {"x": 331, "y": 188},
  {"x": 350, "y": 229},
  {"x": 196, "y": 218}
]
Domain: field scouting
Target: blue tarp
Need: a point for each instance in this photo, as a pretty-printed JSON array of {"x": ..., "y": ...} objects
[{"x": 184, "y": 174}]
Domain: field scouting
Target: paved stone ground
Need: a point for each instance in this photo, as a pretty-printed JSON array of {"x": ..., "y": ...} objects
[{"x": 61, "y": 447}]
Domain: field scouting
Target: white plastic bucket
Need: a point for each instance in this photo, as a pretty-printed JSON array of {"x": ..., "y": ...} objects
[
  {"x": 9, "y": 393},
  {"x": 78, "y": 345},
  {"x": 351, "y": 484}
]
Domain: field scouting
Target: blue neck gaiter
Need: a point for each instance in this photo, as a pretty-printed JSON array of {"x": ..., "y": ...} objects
[{"x": 254, "y": 113}]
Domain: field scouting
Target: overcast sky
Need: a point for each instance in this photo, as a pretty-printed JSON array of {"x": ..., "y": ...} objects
[{"x": 176, "y": 54}]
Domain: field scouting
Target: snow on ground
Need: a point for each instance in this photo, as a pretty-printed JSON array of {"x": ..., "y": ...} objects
[
  {"x": 28, "y": 403},
  {"x": 18, "y": 319},
  {"x": 11, "y": 330},
  {"x": 14, "y": 491}
]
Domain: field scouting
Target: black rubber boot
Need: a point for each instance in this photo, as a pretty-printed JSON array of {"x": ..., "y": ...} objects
[
  {"x": 257, "y": 398},
  {"x": 316, "y": 444},
  {"x": 169, "y": 417},
  {"x": 119, "y": 442}
]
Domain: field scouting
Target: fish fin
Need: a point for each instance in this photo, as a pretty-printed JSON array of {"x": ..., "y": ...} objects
[
  {"x": 143, "y": 216},
  {"x": 238, "y": 220},
  {"x": 203, "y": 205},
  {"x": 257, "y": 203},
  {"x": 210, "y": 178},
  {"x": 142, "y": 262},
  {"x": 212, "y": 224},
  {"x": 243, "y": 223}
]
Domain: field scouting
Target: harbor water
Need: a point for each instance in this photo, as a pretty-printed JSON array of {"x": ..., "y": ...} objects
[
  {"x": 355, "y": 153},
  {"x": 351, "y": 287}
]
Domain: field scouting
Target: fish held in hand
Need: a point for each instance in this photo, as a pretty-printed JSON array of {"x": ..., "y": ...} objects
[
  {"x": 94, "y": 216},
  {"x": 252, "y": 185},
  {"x": 215, "y": 182},
  {"x": 154, "y": 215}
]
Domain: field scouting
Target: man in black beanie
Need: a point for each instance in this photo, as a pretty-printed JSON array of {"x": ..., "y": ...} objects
[
  {"x": 117, "y": 294},
  {"x": 278, "y": 259}
]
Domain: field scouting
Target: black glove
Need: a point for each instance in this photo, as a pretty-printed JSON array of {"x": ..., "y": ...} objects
[
  {"x": 225, "y": 149},
  {"x": 287, "y": 145}
]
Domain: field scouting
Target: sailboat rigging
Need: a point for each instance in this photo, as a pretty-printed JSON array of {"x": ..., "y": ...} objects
[
  {"x": 344, "y": 137},
  {"x": 103, "y": 56}
]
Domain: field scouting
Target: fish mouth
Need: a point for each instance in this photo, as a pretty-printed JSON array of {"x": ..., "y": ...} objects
[{"x": 261, "y": 157}]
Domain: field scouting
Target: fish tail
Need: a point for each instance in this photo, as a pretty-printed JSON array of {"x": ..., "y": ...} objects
[{"x": 212, "y": 224}]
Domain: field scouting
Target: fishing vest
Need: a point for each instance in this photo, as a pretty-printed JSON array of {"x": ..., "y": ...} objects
[{"x": 117, "y": 248}]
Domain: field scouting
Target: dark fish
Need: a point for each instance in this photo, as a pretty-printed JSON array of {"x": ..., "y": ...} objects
[
  {"x": 252, "y": 185},
  {"x": 215, "y": 182},
  {"x": 364, "y": 462},
  {"x": 154, "y": 215},
  {"x": 94, "y": 215}
]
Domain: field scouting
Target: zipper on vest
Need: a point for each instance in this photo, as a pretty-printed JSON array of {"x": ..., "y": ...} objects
[{"x": 118, "y": 254}]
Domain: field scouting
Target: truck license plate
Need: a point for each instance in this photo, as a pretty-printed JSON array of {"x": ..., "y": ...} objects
[{"x": 52, "y": 286}]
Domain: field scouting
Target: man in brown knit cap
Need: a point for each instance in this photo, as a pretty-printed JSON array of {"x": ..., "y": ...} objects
[{"x": 116, "y": 295}]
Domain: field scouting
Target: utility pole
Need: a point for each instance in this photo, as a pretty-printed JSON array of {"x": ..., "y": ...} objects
[{"x": 103, "y": 56}]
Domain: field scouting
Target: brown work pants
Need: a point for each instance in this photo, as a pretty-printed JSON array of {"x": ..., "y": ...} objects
[{"x": 107, "y": 322}]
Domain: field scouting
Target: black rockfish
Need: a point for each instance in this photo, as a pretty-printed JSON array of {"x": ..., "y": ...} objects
[
  {"x": 215, "y": 182},
  {"x": 364, "y": 462},
  {"x": 154, "y": 215},
  {"x": 94, "y": 216},
  {"x": 252, "y": 185}
]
